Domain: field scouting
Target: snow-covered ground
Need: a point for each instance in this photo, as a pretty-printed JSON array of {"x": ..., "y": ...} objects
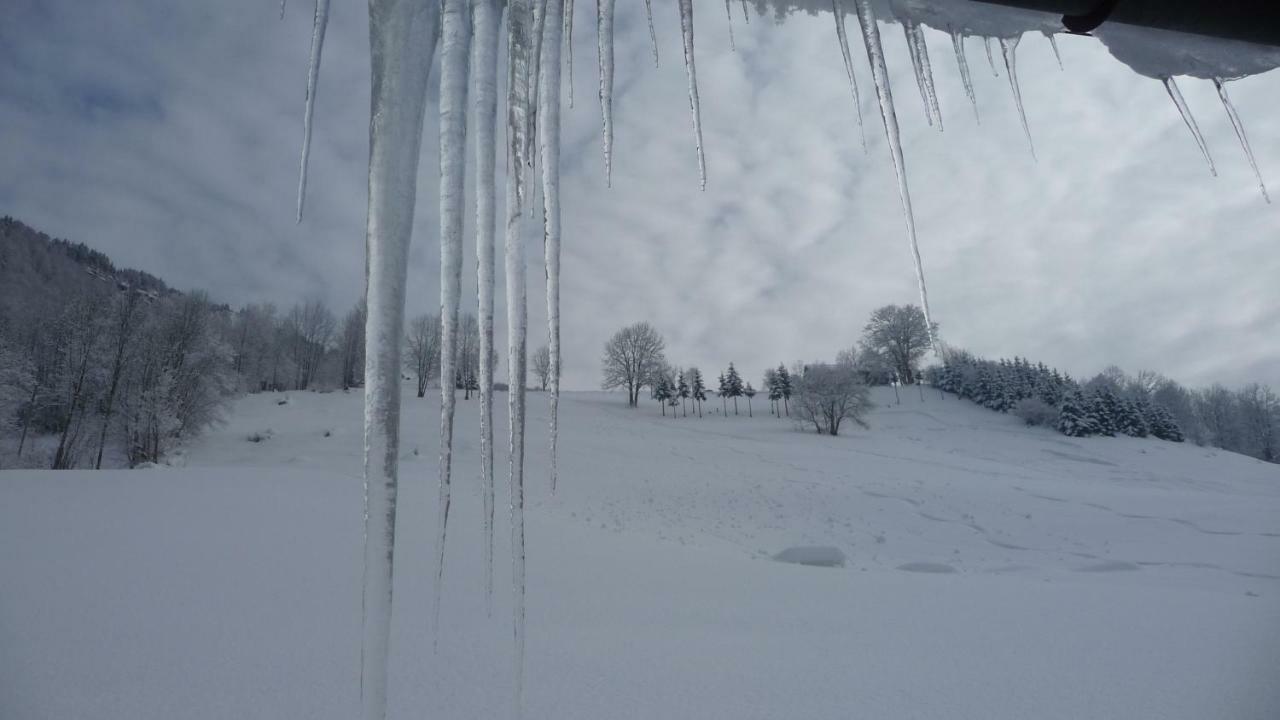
[{"x": 990, "y": 571}]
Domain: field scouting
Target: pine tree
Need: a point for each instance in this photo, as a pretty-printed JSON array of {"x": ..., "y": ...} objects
[
  {"x": 784, "y": 388},
  {"x": 682, "y": 391},
  {"x": 770, "y": 378},
  {"x": 723, "y": 391},
  {"x": 662, "y": 392},
  {"x": 1131, "y": 420},
  {"x": 750, "y": 392},
  {"x": 1104, "y": 411},
  {"x": 733, "y": 383},
  {"x": 1073, "y": 417},
  {"x": 697, "y": 389}
]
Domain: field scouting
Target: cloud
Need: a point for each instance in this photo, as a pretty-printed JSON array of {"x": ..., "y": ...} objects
[{"x": 168, "y": 135}]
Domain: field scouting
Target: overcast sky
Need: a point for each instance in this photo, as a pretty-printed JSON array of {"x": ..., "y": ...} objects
[{"x": 167, "y": 135}]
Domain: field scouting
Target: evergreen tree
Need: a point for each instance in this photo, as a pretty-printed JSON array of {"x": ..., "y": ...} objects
[
  {"x": 1104, "y": 411},
  {"x": 750, "y": 392},
  {"x": 733, "y": 383},
  {"x": 770, "y": 378},
  {"x": 682, "y": 392},
  {"x": 697, "y": 390},
  {"x": 784, "y": 388},
  {"x": 662, "y": 392},
  {"x": 1074, "y": 419},
  {"x": 1131, "y": 421},
  {"x": 723, "y": 391}
]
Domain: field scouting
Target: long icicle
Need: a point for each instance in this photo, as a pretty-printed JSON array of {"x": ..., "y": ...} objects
[
  {"x": 880, "y": 73},
  {"x": 549, "y": 136},
  {"x": 519, "y": 47},
  {"x": 957, "y": 42},
  {"x": 1221, "y": 85},
  {"x": 486, "y": 18},
  {"x": 402, "y": 40},
  {"x": 1176, "y": 95},
  {"x": 604, "y": 42},
  {"x": 913, "y": 51},
  {"x": 1009, "y": 48},
  {"x": 745, "y": 17},
  {"x": 922, "y": 51},
  {"x": 455, "y": 51},
  {"x": 986, "y": 44},
  {"x": 539, "y": 19},
  {"x": 728, "y": 13},
  {"x": 568, "y": 44},
  {"x": 653, "y": 36},
  {"x": 282, "y": 2},
  {"x": 318, "y": 27},
  {"x": 1053, "y": 42},
  {"x": 837, "y": 9},
  {"x": 695, "y": 106}
]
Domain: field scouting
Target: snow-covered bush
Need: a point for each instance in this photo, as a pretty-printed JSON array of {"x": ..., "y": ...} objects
[
  {"x": 826, "y": 395},
  {"x": 1036, "y": 412}
]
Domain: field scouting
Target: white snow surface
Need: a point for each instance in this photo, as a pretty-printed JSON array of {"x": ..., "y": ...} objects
[{"x": 991, "y": 571}]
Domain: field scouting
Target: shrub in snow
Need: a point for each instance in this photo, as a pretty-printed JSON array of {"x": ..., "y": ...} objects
[{"x": 1037, "y": 412}]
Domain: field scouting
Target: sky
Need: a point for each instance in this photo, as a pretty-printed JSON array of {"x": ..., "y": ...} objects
[{"x": 168, "y": 136}]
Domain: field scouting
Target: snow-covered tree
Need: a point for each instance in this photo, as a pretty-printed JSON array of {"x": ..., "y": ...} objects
[
  {"x": 631, "y": 358},
  {"x": 697, "y": 390},
  {"x": 750, "y": 392},
  {"x": 828, "y": 394},
  {"x": 733, "y": 386},
  {"x": 1074, "y": 419},
  {"x": 784, "y": 387},
  {"x": 900, "y": 334},
  {"x": 682, "y": 391}
]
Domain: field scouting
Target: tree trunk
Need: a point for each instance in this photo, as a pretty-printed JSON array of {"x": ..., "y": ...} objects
[
  {"x": 749, "y": 408},
  {"x": 735, "y": 404}
]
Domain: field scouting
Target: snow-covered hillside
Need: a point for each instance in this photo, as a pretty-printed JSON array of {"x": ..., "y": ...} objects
[{"x": 992, "y": 571}]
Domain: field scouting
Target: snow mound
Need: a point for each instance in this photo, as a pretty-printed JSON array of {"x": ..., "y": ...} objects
[{"x": 815, "y": 555}]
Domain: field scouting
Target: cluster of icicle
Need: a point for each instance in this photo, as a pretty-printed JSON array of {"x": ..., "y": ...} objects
[{"x": 403, "y": 42}]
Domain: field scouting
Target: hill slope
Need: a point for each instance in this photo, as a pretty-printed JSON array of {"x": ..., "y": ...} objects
[{"x": 992, "y": 571}]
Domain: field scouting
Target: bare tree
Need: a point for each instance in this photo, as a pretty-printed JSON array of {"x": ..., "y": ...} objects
[
  {"x": 827, "y": 395},
  {"x": 125, "y": 319},
  {"x": 899, "y": 334},
  {"x": 542, "y": 365},
  {"x": 351, "y": 347},
  {"x": 80, "y": 332},
  {"x": 423, "y": 344},
  {"x": 1259, "y": 412},
  {"x": 633, "y": 357},
  {"x": 309, "y": 328}
]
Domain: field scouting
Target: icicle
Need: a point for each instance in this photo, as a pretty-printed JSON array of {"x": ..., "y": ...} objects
[
  {"x": 653, "y": 36},
  {"x": 313, "y": 76},
  {"x": 486, "y": 19},
  {"x": 837, "y": 9},
  {"x": 1009, "y": 48},
  {"x": 745, "y": 17},
  {"x": 282, "y": 2},
  {"x": 1053, "y": 42},
  {"x": 1176, "y": 95},
  {"x": 986, "y": 43},
  {"x": 568, "y": 44},
  {"x": 539, "y": 19},
  {"x": 519, "y": 44},
  {"x": 454, "y": 52},
  {"x": 728, "y": 12},
  {"x": 1220, "y": 84},
  {"x": 926, "y": 72},
  {"x": 604, "y": 40},
  {"x": 402, "y": 39},
  {"x": 913, "y": 50},
  {"x": 957, "y": 42},
  {"x": 686, "y": 29},
  {"x": 549, "y": 136},
  {"x": 880, "y": 75}
]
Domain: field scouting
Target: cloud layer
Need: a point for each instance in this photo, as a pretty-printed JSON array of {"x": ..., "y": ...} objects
[{"x": 168, "y": 136}]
